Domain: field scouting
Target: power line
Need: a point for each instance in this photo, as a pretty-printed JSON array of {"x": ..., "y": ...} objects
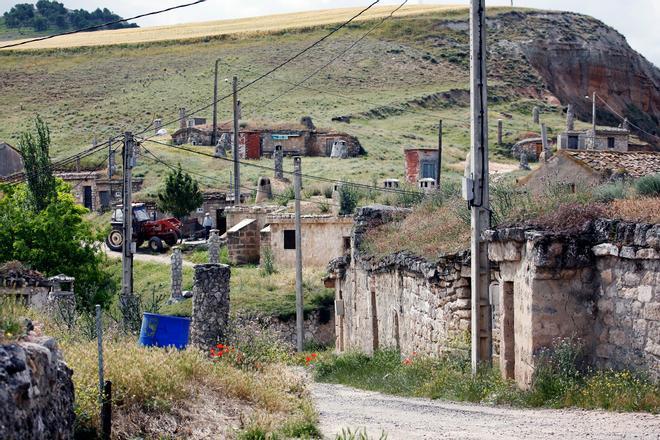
[
  {"x": 339, "y": 55},
  {"x": 216, "y": 179},
  {"x": 100, "y": 26},
  {"x": 307, "y": 176},
  {"x": 282, "y": 64},
  {"x": 626, "y": 119}
]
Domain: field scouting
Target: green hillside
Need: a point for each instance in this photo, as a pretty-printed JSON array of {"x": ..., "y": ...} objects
[{"x": 387, "y": 83}]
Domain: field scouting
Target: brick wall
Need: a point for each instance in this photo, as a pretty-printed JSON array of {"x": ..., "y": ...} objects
[{"x": 243, "y": 242}]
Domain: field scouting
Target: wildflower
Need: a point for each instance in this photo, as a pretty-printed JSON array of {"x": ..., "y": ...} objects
[
  {"x": 407, "y": 361},
  {"x": 314, "y": 355}
]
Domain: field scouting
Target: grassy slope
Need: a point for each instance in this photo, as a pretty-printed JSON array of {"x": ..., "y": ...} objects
[{"x": 88, "y": 92}]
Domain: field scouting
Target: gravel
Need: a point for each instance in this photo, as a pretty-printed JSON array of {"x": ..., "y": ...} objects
[{"x": 411, "y": 418}]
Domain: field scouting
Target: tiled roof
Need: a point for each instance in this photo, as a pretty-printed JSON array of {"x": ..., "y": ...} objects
[{"x": 635, "y": 163}]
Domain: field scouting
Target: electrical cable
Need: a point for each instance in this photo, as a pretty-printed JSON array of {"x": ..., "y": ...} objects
[
  {"x": 100, "y": 26},
  {"x": 280, "y": 65},
  {"x": 626, "y": 119}
]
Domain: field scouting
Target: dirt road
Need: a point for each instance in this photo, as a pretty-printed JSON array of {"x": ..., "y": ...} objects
[
  {"x": 144, "y": 255},
  {"x": 405, "y": 418}
]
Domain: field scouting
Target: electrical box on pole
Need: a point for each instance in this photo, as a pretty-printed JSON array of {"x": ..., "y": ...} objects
[{"x": 476, "y": 189}]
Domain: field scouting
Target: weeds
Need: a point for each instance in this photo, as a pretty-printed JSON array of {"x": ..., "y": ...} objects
[
  {"x": 267, "y": 262},
  {"x": 358, "y": 434},
  {"x": 648, "y": 186}
]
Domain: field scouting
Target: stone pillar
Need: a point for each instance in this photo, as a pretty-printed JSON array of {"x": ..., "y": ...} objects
[
  {"x": 536, "y": 115},
  {"x": 210, "y": 308},
  {"x": 214, "y": 247},
  {"x": 183, "y": 123},
  {"x": 177, "y": 275},
  {"x": 500, "y": 129},
  {"x": 524, "y": 163},
  {"x": 264, "y": 190},
  {"x": 279, "y": 162},
  {"x": 158, "y": 124},
  {"x": 570, "y": 118}
]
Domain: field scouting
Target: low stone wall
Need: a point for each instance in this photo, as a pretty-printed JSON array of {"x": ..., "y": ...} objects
[
  {"x": 319, "y": 327},
  {"x": 401, "y": 301},
  {"x": 36, "y": 392}
]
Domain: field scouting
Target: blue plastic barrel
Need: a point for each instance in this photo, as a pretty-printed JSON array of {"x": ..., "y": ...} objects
[{"x": 164, "y": 331}]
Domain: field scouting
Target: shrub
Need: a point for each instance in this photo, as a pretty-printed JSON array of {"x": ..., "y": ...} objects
[
  {"x": 10, "y": 318},
  {"x": 648, "y": 185},
  {"x": 267, "y": 262},
  {"x": 348, "y": 199},
  {"x": 610, "y": 192},
  {"x": 409, "y": 196},
  {"x": 284, "y": 197},
  {"x": 645, "y": 210},
  {"x": 327, "y": 192},
  {"x": 324, "y": 208}
]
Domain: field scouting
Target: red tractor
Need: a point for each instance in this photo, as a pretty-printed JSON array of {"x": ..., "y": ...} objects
[{"x": 154, "y": 232}]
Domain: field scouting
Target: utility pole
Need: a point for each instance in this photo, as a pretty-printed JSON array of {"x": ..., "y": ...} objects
[
  {"x": 544, "y": 140},
  {"x": 214, "y": 134},
  {"x": 237, "y": 170},
  {"x": 480, "y": 271},
  {"x": 128, "y": 301},
  {"x": 111, "y": 160},
  {"x": 439, "y": 154},
  {"x": 297, "y": 184},
  {"x": 593, "y": 117}
]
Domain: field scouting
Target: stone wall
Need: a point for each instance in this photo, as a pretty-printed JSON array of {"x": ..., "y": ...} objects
[
  {"x": 243, "y": 242},
  {"x": 400, "y": 301},
  {"x": 36, "y": 392},
  {"x": 601, "y": 286},
  {"x": 319, "y": 327}
]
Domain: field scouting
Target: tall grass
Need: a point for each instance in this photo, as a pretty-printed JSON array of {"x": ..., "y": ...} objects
[{"x": 648, "y": 185}]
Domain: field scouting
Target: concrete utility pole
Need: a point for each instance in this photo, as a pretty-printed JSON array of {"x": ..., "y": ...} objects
[
  {"x": 237, "y": 169},
  {"x": 593, "y": 117},
  {"x": 214, "y": 134},
  {"x": 500, "y": 132},
  {"x": 439, "y": 154},
  {"x": 297, "y": 185},
  {"x": 479, "y": 197},
  {"x": 127, "y": 300}
]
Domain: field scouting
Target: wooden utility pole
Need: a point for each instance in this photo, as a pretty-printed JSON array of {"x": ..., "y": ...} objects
[
  {"x": 439, "y": 175},
  {"x": 111, "y": 160},
  {"x": 237, "y": 169},
  {"x": 127, "y": 301},
  {"x": 500, "y": 132},
  {"x": 214, "y": 134},
  {"x": 481, "y": 323},
  {"x": 297, "y": 184}
]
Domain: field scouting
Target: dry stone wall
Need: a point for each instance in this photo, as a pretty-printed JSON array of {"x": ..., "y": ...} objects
[
  {"x": 210, "y": 308},
  {"x": 36, "y": 392}
]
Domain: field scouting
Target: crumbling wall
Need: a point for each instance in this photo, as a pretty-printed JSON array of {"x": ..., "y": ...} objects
[
  {"x": 36, "y": 392},
  {"x": 601, "y": 286},
  {"x": 401, "y": 301}
]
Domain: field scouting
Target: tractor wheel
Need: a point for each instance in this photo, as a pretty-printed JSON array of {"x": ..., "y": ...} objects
[
  {"x": 115, "y": 240},
  {"x": 155, "y": 244},
  {"x": 171, "y": 239}
]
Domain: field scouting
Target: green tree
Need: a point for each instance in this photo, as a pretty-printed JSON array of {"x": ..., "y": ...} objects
[
  {"x": 36, "y": 161},
  {"x": 348, "y": 199},
  {"x": 181, "y": 194},
  {"x": 54, "y": 240}
]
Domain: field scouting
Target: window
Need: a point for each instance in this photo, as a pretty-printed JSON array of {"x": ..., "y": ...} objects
[
  {"x": 347, "y": 244},
  {"x": 610, "y": 142},
  {"x": 573, "y": 142},
  {"x": 289, "y": 239}
]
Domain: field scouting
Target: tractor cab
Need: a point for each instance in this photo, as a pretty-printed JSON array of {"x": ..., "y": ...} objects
[{"x": 140, "y": 214}]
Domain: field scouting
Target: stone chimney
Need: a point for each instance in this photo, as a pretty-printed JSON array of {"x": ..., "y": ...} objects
[{"x": 278, "y": 156}]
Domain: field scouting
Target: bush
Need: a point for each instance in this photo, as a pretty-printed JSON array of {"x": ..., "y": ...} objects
[
  {"x": 327, "y": 192},
  {"x": 610, "y": 192},
  {"x": 284, "y": 197},
  {"x": 267, "y": 262},
  {"x": 648, "y": 185},
  {"x": 348, "y": 199}
]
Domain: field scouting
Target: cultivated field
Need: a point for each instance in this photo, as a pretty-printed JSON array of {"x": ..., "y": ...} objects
[{"x": 270, "y": 23}]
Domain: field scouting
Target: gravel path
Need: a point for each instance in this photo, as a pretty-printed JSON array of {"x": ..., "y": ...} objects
[
  {"x": 144, "y": 255},
  {"x": 408, "y": 418}
]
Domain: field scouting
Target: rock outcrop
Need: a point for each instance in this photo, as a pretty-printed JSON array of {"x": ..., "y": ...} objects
[{"x": 36, "y": 392}]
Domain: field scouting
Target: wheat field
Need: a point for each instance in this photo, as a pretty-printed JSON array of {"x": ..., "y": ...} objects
[{"x": 270, "y": 23}]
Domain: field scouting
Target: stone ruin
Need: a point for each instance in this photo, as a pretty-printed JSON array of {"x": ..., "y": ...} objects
[
  {"x": 278, "y": 158},
  {"x": 176, "y": 260},
  {"x": 264, "y": 190},
  {"x": 210, "y": 307},
  {"x": 214, "y": 247},
  {"x": 36, "y": 391}
]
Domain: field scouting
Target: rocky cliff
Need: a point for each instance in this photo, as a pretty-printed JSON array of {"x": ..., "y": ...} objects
[{"x": 562, "y": 57}]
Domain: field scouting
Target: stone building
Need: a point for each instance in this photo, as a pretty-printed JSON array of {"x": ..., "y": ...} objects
[
  {"x": 532, "y": 147},
  {"x": 11, "y": 161},
  {"x": 257, "y": 139},
  {"x": 605, "y": 139},
  {"x": 601, "y": 287},
  {"x": 27, "y": 286},
  {"x": 94, "y": 190},
  {"x": 590, "y": 168},
  {"x": 324, "y": 237},
  {"x": 421, "y": 163}
]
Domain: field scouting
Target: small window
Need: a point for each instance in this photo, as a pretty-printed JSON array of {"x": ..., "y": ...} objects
[
  {"x": 610, "y": 142},
  {"x": 347, "y": 244},
  {"x": 289, "y": 239},
  {"x": 573, "y": 142}
]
